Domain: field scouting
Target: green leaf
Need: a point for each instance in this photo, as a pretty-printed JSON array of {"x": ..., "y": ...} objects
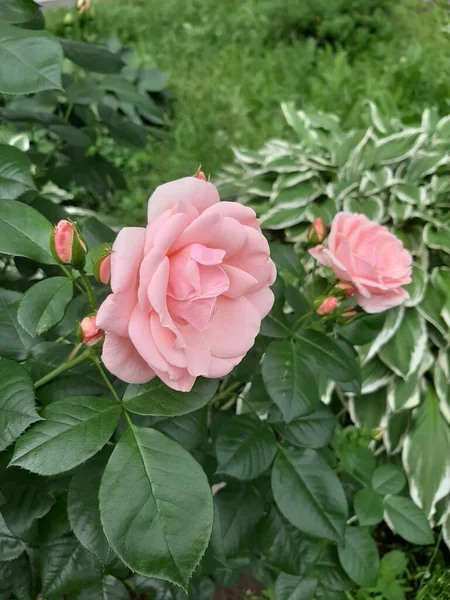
[
  {"x": 310, "y": 431},
  {"x": 404, "y": 352},
  {"x": 30, "y": 61},
  {"x": 374, "y": 375},
  {"x": 393, "y": 564},
  {"x": 330, "y": 573},
  {"x": 15, "y": 342},
  {"x": 21, "y": 578},
  {"x": 428, "y": 472},
  {"x": 66, "y": 567},
  {"x": 245, "y": 447},
  {"x": 276, "y": 325},
  {"x": 84, "y": 510},
  {"x": 128, "y": 94},
  {"x": 287, "y": 259},
  {"x": 91, "y": 57},
  {"x": 24, "y": 232},
  {"x": 305, "y": 479},
  {"x": 43, "y": 305},
  {"x": 431, "y": 308},
  {"x": 27, "y": 499},
  {"x": 163, "y": 528},
  {"x": 157, "y": 399},
  {"x": 188, "y": 430},
  {"x": 388, "y": 479},
  {"x": 85, "y": 91},
  {"x": 289, "y": 380},
  {"x": 15, "y": 173},
  {"x": 286, "y": 547},
  {"x": 325, "y": 354},
  {"x": 368, "y": 507},
  {"x": 74, "y": 430},
  {"x": 239, "y": 508},
  {"x": 363, "y": 329},
  {"x": 288, "y": 587},
  {"x": 109, "y": 588},
  {"x": 18, "y": 11},
  {"x": 408, "y": 520},
  {"x": 10, "y": 546},
  {"x": 17, "y": 410},
  {"x": 359, "y": 557}
]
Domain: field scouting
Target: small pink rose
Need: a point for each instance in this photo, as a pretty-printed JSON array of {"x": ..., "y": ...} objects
[
  {"x": 370, "y": 258},
  {"x": 189, "y": 289},
  {"x": 90, "y": 333},
  {"x": 67, "y": 244},
  {"x": 329, "y": 305}
]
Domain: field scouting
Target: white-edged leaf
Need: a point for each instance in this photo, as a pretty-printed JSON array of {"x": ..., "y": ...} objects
[
  {"x": 391, "y": 325},
  {"x": 374, "y": 375},
  {"x": 404, "y": 352},
  {"x": 369, "y": 410},
  {"x": 417, "y": 287},
  {"x": 404, "y": 393},
  {"x": 428, "y": 470},
  {"x": 399, "y": 146}
]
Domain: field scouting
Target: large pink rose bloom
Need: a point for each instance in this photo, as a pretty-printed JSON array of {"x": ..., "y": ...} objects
[
  {"x": 189, "y": 290},
  {"x": 369, "y": 257}
]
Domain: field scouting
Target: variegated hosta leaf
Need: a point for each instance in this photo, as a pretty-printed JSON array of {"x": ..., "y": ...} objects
[
  {"x": 396, "y": 430},
  {"x": 404, "y": 393},
  {"x": 443, "y": 127},
  {"x": 398, "y": 146},
  {"x": 391, "y": 325},
  {"x": 425, "y": 163},
  {"x": 407, "y": 193},
  {"x": 432, "y": 307},
  {"x": 297, "y": 197},
  {"x": 371, "y": 206},
  {"x": 378, "y": 121},
  {"x": 404, "y": 352},
  {"x": 374, "y": 375},
  {"x": 440, "y": 279},
  {"x": 426, "y": 455},
  {"x": 399, "y": 211},
  {"x": 369, "y": 411},
  {"x": 323, "y": 208},
  {"x": 282, "y": 218},
  {"x": 417, "y": 287},
  {"x": 442, "y": 382},
  {"x": 437, "y": 238}
]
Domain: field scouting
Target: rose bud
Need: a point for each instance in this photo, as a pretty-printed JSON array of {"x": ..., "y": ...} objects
[
  {"x": 326, "y": 306},
  {"x": 369, "y": 257},
  {"x": 102, "y": 268},
  {"x": 201, "y": 176},
  {"x": 67, "y": 245},
  {"x": 317, "y": 232},
  {"x": 344, "y": 289},
  {"x": 89, "y": 333},
  {"x": 83, "y": 6},
  {"x": 349, "y": 314}
]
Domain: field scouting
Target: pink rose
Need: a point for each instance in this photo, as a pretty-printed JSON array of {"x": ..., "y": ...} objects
[
  {"x": 369, "y": 257},
  {"x": 189, "y": 290}
]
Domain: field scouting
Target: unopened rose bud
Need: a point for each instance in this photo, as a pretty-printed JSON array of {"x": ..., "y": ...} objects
[
  {"x": 317, "y": 232},
  {"x": 344, "y": 289},
  {"x": 102, "y": 268},
  {"x": 349, "y": 314},
  {"x": 327, "y": 306},
  {"x": 89, "y": 333},
  {"x": 201, "y": 176},
  {"x": 67, "y": 245}
]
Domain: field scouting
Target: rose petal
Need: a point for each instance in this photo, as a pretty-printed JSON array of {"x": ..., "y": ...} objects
[
  {"x": 382, "y": 302},
  {"x": 121, "y": 358},
  {"x": 262, "y": 300},
  {"x": 126, "y": 257},
  {"x": 234, "y": 327},
  {"x": 115, "y": 312},
  {"x": 190, "y": 190}
]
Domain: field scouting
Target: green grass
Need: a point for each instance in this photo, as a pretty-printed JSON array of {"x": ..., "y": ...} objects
[{"x": 231, "y": 62}]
